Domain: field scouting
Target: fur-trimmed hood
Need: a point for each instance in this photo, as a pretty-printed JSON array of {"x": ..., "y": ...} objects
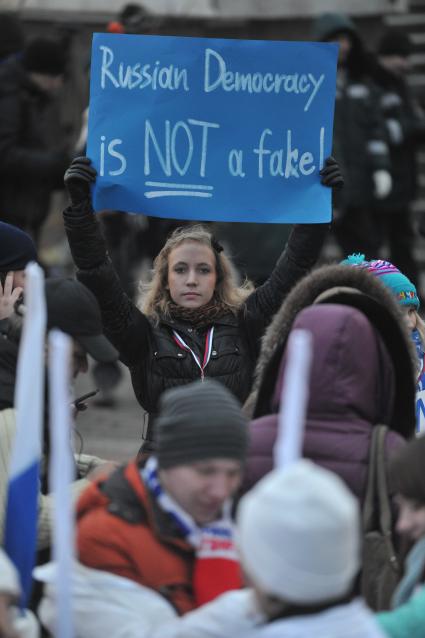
[{"x": 341, "y": 284}]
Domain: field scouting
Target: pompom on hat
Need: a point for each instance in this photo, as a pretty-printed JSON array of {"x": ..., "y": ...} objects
[{"x": 403, "y": 289}]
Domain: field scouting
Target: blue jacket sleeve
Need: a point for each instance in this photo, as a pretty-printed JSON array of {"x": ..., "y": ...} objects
[{"x": 408, "y": 620}]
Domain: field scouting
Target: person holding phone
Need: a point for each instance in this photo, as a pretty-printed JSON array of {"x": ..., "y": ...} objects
[
  {"x": 72, "y": 308},
  {"x": 17, "y": 249}
]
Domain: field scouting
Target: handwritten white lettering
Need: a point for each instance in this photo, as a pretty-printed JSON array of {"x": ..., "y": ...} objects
[
  {"x": 112, "y": 152},
  {"x": 153, "y": 76},
  {"x": 289, "y": 161},
  {"x": 218, "y": 76},
  {"x": 178, "y": 146}
]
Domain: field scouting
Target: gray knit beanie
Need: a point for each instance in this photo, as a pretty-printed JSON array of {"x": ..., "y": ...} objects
[{"x": 199, "y": 421}]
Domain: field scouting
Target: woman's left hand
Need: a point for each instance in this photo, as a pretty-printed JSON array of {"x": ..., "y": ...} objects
[{"x": 331, "y": 175}]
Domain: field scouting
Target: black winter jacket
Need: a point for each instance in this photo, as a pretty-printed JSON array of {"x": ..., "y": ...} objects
[
  {"x": 360, "y": 143},
  {"x": 9, "y": 348},
  {"x": 29, "y": 170},
  {"x": 359, "y": 140},
  {"x": 405, "y": 123},
  {"x": 154, "y": 359}
]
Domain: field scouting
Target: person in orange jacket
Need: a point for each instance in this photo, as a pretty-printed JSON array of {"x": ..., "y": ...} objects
[{"x": 168, "y": 525}]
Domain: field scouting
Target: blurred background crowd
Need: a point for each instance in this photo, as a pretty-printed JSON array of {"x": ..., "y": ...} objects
[
  {"x": 156, "y": 538},
  {"x": 379, "y": 130}
]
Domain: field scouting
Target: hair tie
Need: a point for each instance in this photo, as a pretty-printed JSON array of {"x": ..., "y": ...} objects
[{"x": 216, "y": 245}]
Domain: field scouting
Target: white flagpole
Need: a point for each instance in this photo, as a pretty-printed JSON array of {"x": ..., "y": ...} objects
[
  {"x": 21, "y": 518},
  {"x": 293, "y": 400},
  {"x": 61, "y": 472},
  {"x": 29, "y": 389}
]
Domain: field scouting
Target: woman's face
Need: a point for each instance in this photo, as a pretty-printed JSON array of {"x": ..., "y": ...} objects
[
  {"x": 191, "y": 274},
  {"x": 409, "y": 314},
  {"x": 411, "y": 518}
]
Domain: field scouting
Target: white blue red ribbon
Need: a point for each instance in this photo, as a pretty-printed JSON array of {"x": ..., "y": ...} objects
[{"x": 207, "y": 352}]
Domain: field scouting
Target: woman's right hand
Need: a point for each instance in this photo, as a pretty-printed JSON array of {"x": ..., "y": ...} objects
[{"x": 78, "y": 178}]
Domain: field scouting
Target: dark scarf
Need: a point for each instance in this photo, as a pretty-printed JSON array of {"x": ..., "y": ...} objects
[{"x": 201, "y": 317}]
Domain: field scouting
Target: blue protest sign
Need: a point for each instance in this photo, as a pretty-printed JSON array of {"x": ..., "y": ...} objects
[{"x": 210, "y": 129}]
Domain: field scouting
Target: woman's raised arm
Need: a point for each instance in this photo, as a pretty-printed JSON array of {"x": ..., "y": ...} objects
[
  {"x": 125, "y": 326},
  {"x": 301, "y": 253}
]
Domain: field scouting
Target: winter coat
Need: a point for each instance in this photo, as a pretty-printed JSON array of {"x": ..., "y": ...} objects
[
  {"x": 105, "y": 604},
  {"x": 407, "y": 618},
  {"x": 413, "y": 578},
  {"x": 108, "y": 605},
  {"x": 29, "y": 169},
  {"x": 405, "y": 124},
  {"x": 359, "y": 142},
  {"x": 359, "y": 139},
  {"x": 420, "y": 386},
  {"x": 236, "y": 615},
  {"x": 121, "y": 530},
  {"x": 358, "y": 378},
  {"x": 24, "y": 622},
  {"x": 155, "y": 361},
  {"x": 9, "y": 348},
  {"x": 331, "y": 623},
  {"x": 84, "y": 463}
]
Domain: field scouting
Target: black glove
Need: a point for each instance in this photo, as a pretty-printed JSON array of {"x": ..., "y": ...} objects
[
  {"x": 331, "y": 175},
  {"x": 78, "y": 178}
]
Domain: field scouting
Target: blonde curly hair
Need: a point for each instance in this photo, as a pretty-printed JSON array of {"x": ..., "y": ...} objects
[{"x": 155, "y": 298}]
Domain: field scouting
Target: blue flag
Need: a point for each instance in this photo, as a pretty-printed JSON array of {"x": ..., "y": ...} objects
[{"x": 210, "y": 129}]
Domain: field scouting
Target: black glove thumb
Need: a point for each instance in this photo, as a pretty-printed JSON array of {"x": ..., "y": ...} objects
[{"x": 78, "y": 178}]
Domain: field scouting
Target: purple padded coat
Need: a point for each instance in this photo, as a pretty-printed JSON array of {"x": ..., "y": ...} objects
[{"x": 357, "y": 381}]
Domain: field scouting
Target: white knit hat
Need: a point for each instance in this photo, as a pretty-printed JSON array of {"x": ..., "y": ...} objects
[{"x": 299, "y": 534}]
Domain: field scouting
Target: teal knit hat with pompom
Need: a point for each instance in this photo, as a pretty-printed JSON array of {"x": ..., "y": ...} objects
[{"x": 398, "y": 283}]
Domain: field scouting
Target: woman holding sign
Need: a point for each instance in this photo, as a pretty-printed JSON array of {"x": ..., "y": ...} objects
[{"x": 194, "y": 321}]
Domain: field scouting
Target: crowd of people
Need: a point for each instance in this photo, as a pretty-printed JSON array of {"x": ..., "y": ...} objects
[{"x": 201, "y": 534}]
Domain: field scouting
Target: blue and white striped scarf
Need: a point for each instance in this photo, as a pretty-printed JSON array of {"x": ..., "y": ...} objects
[
  {"x": 222, "y": 528},
  {"x": 216, "y": 569}
]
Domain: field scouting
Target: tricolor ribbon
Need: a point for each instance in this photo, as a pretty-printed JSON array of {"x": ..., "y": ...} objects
[{"x": 207, "y": 352}]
